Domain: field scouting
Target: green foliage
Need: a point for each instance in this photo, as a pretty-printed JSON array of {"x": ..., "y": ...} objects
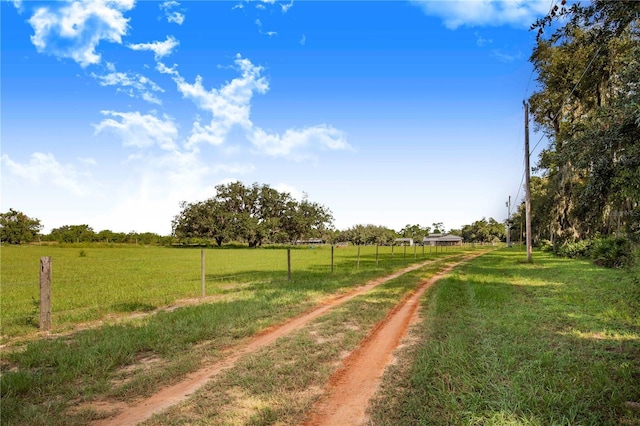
[
  {"x": 573, "y": 250},
  {"x": 367, "y": 235},
  {"x": 483, "y": 231},
  {"x": 17, "y": 228},
  {"x": 612, "y": 252},
  {"x": 254, "y": 214},
  {"x": 587, "y": 105},
  {"x": 609, "y": 251}
]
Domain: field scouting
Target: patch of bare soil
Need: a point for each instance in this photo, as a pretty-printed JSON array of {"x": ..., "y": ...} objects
[
  {"x": 366, "y": 362},
  {"x": 352, "y": 386}
]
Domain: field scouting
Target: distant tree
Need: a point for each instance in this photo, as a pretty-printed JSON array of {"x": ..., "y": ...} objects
[
  {"x": 483, "y": 231},
  {"x": 414, "y": 231},
  {"x": 253, "y": 214},
  {"x": 206, "y": 219},
  {"x": 16, "y": 227},
  {"x": 438, "y": 228},
  {"x": 73, "y": 234},
  {"x": 368, "y": 234}
]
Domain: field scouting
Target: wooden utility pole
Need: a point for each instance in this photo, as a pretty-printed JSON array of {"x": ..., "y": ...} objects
[
  {"x": 508, "y": 224},
  {"x": 527, "y": 183}
]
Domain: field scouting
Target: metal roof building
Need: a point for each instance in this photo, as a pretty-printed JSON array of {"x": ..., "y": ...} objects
[{"x": 443, "y": 240}]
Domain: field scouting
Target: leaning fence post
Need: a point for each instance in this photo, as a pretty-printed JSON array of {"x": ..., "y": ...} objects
[{"x": 45, "y": 293}]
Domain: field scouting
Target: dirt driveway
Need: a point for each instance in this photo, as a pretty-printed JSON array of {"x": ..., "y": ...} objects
[{"x": 349, "y": 390}]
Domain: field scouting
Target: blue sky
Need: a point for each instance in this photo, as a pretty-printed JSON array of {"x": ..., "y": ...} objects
[{"x": 387, "y": 112}]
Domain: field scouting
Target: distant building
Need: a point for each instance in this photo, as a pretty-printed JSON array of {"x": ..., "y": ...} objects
[
  {"x": 404, "y": 241},
  {"x": 442, "y": 240}
]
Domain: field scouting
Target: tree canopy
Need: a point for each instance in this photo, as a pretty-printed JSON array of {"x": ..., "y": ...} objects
[
  {"x": 16, "y": 227},
  {"x": 253, "y": 214},
  {"x": 588, "y": 105}
]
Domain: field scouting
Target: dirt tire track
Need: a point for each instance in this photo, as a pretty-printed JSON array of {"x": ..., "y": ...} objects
[
  {"x": 354, "y": 384},
  {"x": 171, "y": 395}
]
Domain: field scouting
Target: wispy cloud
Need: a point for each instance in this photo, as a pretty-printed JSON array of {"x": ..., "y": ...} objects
[
  {"x": 140, "y": 130},
  {"x": 159, "y": 48},
  {"x": 73, "y": 30},
  {"x": 505, "y": 57},
  {"x": 286, "y": 6},
  {"x": 229, "y": 106},
  {"x": 133, "y": 84},
  {"x": 293, "y": 143},
  {"x": 173, "y": 16},
  {"x": 44, "y": 168},
  {"x": 481, "y": 41},
  {"x": 303, "y": 40},
  {"x": 457, "y": 13},
  {"x": 261, "y": 31}
]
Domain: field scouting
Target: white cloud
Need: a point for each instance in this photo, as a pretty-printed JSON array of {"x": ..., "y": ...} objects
[
  {"x": 140, "y": 130},
  {"x": 172, "y": 16},
  {"x": 131, "y": 83},
  {"x": 229, "y": 106},
  {"x": 159, "y": 48},
  {"x": 457, "y": 13},
  {"x": 286, "y": 6},
  {"x": 44, "y": 168},
  {"x": 291, "y": 143},
  {"x": 303, "y": 40},
  {"x": 74, "y": 30},
  {"x": 261, "y": 31}
]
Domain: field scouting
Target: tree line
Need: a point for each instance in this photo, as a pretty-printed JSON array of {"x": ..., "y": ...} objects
[
  {"x": 247, "y": 214},
  {"x": 588, "y": 106}
]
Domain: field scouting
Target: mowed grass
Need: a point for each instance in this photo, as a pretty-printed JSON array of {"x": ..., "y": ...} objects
[
  {"x": 556, "y": 342},
  {"x": 43, "y": 380},
  {"x": 91, "y": 282}
]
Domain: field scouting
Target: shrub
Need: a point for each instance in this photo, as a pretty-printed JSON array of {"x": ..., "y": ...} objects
[
  {"x": 573, "y": 250},
  {"x": 612, "y": 252}
]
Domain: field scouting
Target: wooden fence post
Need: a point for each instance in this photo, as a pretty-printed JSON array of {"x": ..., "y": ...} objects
[
  {"x": 332, "y": 258},
  {"x": 45, "y": 293},
  {"x": 202, "y": 274},
  {"x": 377, "y": 245},
  {"x": 414, "y": 251},
  {"x": 288, "y": 264},
  {"x": 358, "y": 263}
]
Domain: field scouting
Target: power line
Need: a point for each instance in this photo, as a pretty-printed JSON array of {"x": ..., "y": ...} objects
[{"x": 571, "y": 93}]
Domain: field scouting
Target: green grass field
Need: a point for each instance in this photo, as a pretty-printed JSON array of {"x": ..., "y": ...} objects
[
  {"x": 502, "y": 342},
  {"x": 92, "y": 282},
  {"x": 556, "y": 342},
  {"x": 42, "y": 379}
]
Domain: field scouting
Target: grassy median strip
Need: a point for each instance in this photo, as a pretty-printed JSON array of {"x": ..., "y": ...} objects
[
  {"x": 278, "y": 384},
  {"x": 505, "y": 342}
]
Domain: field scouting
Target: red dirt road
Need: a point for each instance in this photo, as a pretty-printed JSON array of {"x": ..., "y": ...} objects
[
  {"x": 351, "y": 388},
  {"x": 144, "y": 409}
]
